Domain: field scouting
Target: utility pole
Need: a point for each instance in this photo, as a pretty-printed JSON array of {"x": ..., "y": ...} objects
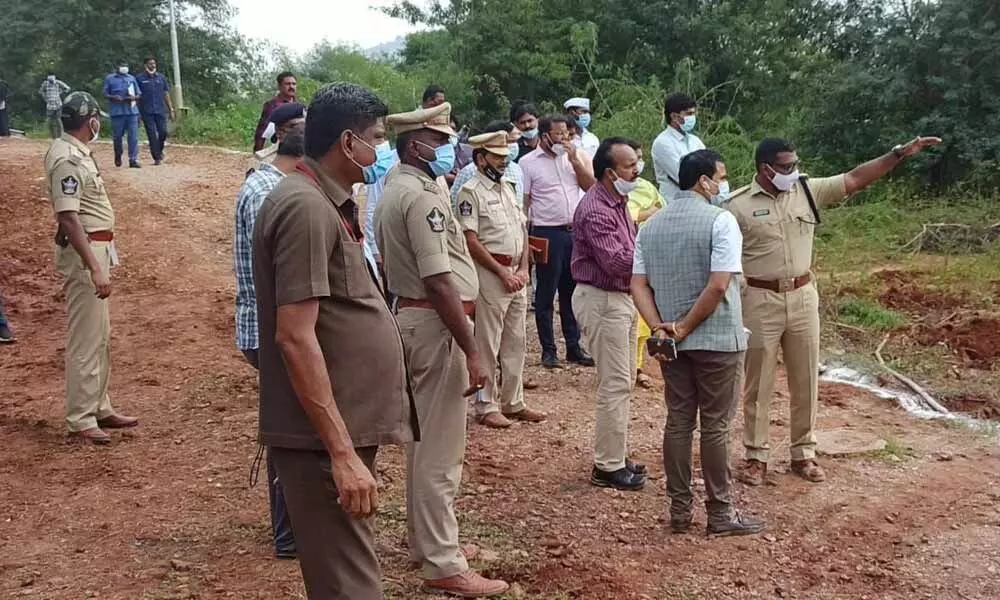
[{"x": 178, "y": 88}]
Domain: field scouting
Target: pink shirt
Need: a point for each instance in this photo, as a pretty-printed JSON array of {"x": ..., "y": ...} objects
[{"x": 551, "y": 184}]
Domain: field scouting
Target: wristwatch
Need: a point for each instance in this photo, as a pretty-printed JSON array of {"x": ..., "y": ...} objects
[{"x": 898, "y": 151}]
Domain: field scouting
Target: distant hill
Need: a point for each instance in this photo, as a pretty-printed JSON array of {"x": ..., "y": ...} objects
[{"x": 386, "y": 50}]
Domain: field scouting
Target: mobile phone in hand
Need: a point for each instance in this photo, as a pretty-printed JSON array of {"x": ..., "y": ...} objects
[{"x": 666, "y": 348}]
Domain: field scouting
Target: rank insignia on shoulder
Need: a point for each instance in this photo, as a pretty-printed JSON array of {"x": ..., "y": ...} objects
[
  {"x": 762, "y": 212},
  {"x": 436, "y": 220},
  {"x": 465, "y": 208},
  {"x": 430, "y": 186},
  {"x": 70, "y": 186}
]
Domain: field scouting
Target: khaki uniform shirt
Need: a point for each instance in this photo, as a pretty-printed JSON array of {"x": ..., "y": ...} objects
[
  {"x": 75, "y": 185},
  {"x": 490, "y": 210},
  {"x": 306, "y": 246},
  {"x": 778, "y": 231},
  {"x": 419, "y": 236}
]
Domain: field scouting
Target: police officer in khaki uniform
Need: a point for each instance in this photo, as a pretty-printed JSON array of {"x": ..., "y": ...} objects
[
  {"x": 497, "y": 237},
  {"x": 84, "y": 257},
  {"x": 777, "y": 214},
  {"x": 429, "y": 270}
]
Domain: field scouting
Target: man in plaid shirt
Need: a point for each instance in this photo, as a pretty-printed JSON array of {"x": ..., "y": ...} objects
[
  {"x": 51, "y": 91},
  {"x": 255, "y": 189}
]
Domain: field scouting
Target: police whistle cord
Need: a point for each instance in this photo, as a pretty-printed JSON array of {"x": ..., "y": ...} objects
[{"x": 932, "y": 404}]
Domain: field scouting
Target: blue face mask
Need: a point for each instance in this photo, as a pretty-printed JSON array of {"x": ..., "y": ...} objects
[
  {"x": 383, "y": 162},
  {"x": 530, "y": 134},
  {"x": 583, "y": 120},
  {"x": 444, "y": 159},
  {"x": 512, "y": 151},
  {"x": 689, "y": 122},
  {"x": 723, "y": 196}
]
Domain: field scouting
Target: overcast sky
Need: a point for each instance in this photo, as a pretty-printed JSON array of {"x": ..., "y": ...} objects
[{"x": 356, "y": 22}]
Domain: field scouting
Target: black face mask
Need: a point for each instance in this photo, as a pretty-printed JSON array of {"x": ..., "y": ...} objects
[{"x": 493, "y": 173}]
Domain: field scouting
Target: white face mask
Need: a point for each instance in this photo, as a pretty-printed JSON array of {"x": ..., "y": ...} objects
[
  {"x": 123, "y": 70},
  {"x": 723, "y": 195},
  {"x": 558, "y": 149},
  {"x": 641, "y": 165},
  {"x": 51, "y": 78},
  {"x": 95, "y": 133},
  {"x": 784, "y": 182},
  {"x": 624, "y": 187}
]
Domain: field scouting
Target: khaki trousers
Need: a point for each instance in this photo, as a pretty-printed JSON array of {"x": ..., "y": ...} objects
[
  {"x": 608, "y": 322},
  {"x": 789, "y": 321},
  {"x": 336, "y": 552},
  {"x": 702, "y": 387},
  {"x": 434, "y": 465},
  {"x": 88, "y": 339},
  {"x": 501, "y": 337}
]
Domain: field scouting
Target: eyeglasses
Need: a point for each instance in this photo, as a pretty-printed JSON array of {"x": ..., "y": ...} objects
[{"x": 785, "y": 168}]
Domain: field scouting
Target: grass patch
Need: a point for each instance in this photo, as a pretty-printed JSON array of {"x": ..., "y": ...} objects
[
  {"x": 895, "y": 450},
  {"x": 869, "y": 314}
]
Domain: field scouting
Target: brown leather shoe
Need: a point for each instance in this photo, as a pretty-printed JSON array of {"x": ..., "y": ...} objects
[
  {"x": 117, "y": 422},
  {"x": 753, "y": 472},
  {"x": 94, "y": 435},
  {"x": 527, "y": 415},
  {"x": 644, "y": 381},
  {"x": 529, "y": 384},
  {"x": 467, "y": 585},
  {"x": 495, "y": 420},
  {"x": 808, "y": 470}
]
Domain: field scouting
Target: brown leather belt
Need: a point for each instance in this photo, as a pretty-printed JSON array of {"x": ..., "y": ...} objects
[
  {"x": 469, "y": 308},
  {"x": 780, "y": 286},
  {"x": 101, "y": 236},
  {"x": 503, "y": 259}
]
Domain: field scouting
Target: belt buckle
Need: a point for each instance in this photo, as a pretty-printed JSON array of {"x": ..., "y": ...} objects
[{"x": 786, "y": 285}]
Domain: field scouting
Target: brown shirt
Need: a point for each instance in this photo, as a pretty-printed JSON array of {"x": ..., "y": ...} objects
[
  {"x": 305, "y": 248},
  {"x": 75, "y": 184},
  {"x": 488, "y": 209},
  {"x": 419, "y": 237},
  {"x": 778, "y": 230}
]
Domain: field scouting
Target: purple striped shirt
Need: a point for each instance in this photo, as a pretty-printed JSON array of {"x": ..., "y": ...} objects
[{"x": 603, "y": 240}]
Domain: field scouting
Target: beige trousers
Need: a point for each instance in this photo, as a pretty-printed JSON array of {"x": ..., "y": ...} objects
[
  {"x": 789, "y": 321},
  {"x": 609, "y": 325},
  {"x": 88, "y": 339},
  {"x": 438, "y": 377},
  {"x": 501, "y": 337}
]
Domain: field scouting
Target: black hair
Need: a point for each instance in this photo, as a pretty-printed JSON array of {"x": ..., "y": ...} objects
[
  {"x": 74, "y": 122},
  {"x": 677, "y": 103},
  {"x": 545, "y": 123},
  {"x": 337, "y": 108},
  {"x": 431, "y": 91},
  {"x": 696, "y": 164},
  {"x": 293, "y": 143},
  {"x": 284, "y": 75},
  {"x": 519, "y": 109},
  {"x": 149, "y": 58},
  {"x": 769, "y": 148},
  {"x": 498, "y": 125},
  {"x": 403, "y": 142},
  {"x": 602, "y": 158}
]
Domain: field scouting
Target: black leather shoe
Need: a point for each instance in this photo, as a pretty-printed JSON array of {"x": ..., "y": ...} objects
[
  {"x": 580, "y": 357},
  {"x": 637, "y": 468},
  {"x": 134, "y": 164},
  {"x": 622, "y": 479},
  {"x": 118, "y": 161},
  {"x": 681, "y": 524},
  {"x": 286, "y": 554},
  {"x": 6, "y": 335},
  {"x": 550, "y": 361},
  {"x": 739, "y": 525}
]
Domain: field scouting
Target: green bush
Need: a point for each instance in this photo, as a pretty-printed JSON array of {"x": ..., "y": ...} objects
[{"x": 869, "y": 314}]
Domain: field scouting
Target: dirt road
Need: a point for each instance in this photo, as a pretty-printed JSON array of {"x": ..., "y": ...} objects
[{"x": 166, "y": 512}]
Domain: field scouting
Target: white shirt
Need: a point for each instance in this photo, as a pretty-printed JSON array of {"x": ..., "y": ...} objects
[
  {"x": 727, "y": 247},
  {"x": 590, "y": 143},
  {"x": 668, "y": 149}
]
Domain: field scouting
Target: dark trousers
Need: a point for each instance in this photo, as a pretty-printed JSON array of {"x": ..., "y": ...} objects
[
  {"x": 120, "y": 125},
  {"x": 336, "y": 552},
  {"x": 156, "y": 132},
  {"x": 555, "y": 276},
  {"x": 281, "y": 526},
  {"x": 4, "y": 123},
  {"x": 703, "y": 387}
]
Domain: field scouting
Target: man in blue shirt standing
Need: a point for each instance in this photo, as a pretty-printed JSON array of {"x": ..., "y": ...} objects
[
  {"x": 123, "y": 93},
  {"x": 154, "y": 107}
]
